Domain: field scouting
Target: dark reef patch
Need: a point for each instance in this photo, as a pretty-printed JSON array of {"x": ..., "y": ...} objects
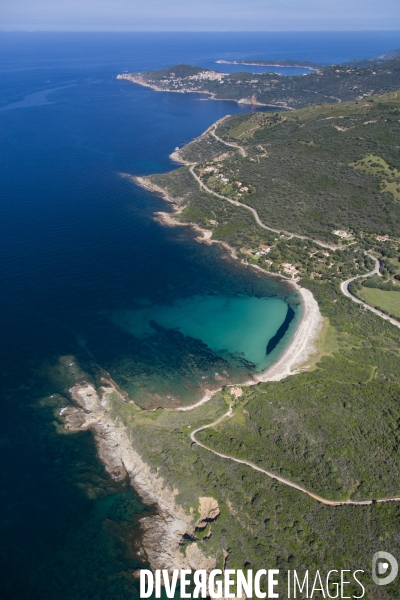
[{"x": 274, "y": 341}]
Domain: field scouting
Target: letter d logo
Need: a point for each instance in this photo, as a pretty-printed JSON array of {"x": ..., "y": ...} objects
[{"x": 383, "y": 562}]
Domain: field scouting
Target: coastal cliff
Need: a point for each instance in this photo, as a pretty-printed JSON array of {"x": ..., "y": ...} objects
[
  {"x": 243, "y": 441},
  {"x": 167, "y": 532}
]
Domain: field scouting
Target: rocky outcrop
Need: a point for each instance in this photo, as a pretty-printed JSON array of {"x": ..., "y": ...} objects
[
  {"x": 196, "y": 557},
  {"x": 209, "y": 511},
  {"x": 164, "y": 534}
]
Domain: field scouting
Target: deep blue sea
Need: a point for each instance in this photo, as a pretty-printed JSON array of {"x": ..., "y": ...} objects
[{"x": 86, "y": 272}]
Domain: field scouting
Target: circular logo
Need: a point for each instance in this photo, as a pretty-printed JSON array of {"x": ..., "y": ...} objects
[{"x": 384, "y": 568}]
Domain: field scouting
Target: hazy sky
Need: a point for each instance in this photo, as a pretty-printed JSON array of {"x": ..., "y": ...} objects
[{"x": 199, "y": 15}]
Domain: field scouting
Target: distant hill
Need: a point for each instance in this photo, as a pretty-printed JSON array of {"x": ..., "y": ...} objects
[
  {"x": 336, "y": 83},
  {"x": 177, "y": 71},
  {"x": 272, "y": 62},
  {"x": 377, "y": 60},
  {"x": 305, "y": 64}
]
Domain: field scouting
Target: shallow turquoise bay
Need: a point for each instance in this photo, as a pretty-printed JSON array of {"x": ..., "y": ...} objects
[
  {"x": 228, "y": 325},
  {"x": 88, "y": 273}
]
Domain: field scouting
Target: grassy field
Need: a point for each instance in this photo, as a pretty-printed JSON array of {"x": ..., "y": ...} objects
[
  {"x": 388, "y": 302},
  {"x": 336, "y": 427},
  {"x": 377, "y": 166},
  {"x": 321, "y": 168}
]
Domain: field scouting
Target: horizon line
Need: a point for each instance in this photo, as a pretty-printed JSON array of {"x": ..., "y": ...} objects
[{"x": 198, "y": 30}]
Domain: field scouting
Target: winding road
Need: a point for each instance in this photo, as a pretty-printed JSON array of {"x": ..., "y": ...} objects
[
  {"x": 344, "y": 286},
  {"x": 243, "y": 153},
  {"x": 253, "y": 211},
  {"x": 232, "y": 145},
  {"x": 279, "y": 477}
]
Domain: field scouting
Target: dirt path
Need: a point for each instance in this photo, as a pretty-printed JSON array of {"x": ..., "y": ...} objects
[
  {"x": 344, "y": 286},
  {"x": 279, "y": 477},
  {"x": 236, "y": 203}
]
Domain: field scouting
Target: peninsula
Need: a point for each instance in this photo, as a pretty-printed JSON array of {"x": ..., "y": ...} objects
[
  {"x": 332, "y": 84},
  {"x": 261, "y": 62},
  {"x": 300, "y": 467}
]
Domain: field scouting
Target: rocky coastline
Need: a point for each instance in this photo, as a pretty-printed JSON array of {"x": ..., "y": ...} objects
[
  {"x": 169, "y": 537},
  {"x": 139, "y": 79},
  {"x": 165, "y": 534}
]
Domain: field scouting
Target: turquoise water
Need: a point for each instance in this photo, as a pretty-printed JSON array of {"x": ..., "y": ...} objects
[
  {"x": 87, "y": 272},
  {"x": 228, "y": 325}
]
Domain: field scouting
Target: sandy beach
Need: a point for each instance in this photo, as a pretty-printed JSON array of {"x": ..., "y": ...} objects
[
  {"x": 163, "y": 533},
  {"x": 303, "y": 343},
  {"x": 300, "y": 348}
]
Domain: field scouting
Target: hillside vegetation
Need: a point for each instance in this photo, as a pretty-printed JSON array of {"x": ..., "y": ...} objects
[
  {"x": 336, "y": 83},
  {"x": 322, "y": 168},
  {"x": 326, "y": 429},
  {"x": 313, "y": 173},
  {"x": 334, "y": 428}
]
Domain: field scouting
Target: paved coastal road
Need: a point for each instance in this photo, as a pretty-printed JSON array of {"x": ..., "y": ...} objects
[
  {"x": 344, "y": 286},
  {"x": 255, "y": 213},
  {"x": 279, "y": 477},
  {"x": 232, "y": 145}
]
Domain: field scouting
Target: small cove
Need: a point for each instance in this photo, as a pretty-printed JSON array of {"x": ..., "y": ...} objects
[{"x": 87, "y": 272}]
